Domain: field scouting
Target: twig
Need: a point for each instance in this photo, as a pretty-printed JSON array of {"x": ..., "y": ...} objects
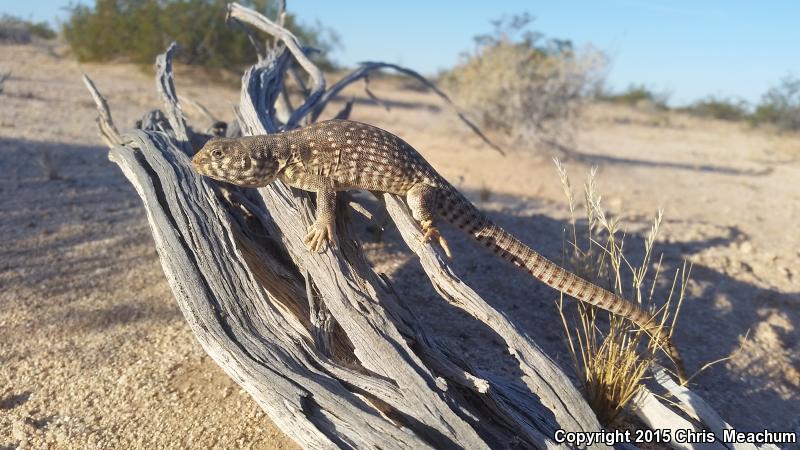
[
  {"x": 165, "y": 84},
  {"x": 108, "y": 131},
  {"x": 370, "y": 66}
]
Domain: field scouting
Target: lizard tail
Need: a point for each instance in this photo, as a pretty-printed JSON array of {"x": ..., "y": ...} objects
[{"x": 460, "y": 212}]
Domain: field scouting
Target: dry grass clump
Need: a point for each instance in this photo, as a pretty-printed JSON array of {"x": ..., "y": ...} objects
[
  {"x": 522, "y": 87},
  {"x": 611, "y": 359}
]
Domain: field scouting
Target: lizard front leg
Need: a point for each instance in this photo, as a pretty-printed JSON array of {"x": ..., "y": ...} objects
[
  {"x": 323, "y": 229},
  {"x": 422, "y": 198}
]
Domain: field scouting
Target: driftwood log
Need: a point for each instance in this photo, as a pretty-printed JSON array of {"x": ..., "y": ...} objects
[{"x": 320, "y": 341}]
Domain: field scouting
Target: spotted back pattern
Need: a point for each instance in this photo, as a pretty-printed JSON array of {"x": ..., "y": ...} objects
[{"x": 359, "y": 156}]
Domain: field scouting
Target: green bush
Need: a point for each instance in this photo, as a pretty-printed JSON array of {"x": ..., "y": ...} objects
[
  {"x": 719, "y": 108},
  {"x": 637, "y": 95},
  {"x": 517, "y": 83},
  {"x": 780, "y": 106},
  {"x": 20, "y": 31},
  {"x": 138, "y": 30}
]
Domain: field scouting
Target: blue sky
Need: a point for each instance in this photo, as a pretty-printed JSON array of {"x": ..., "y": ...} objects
[{"x": 689, "y": 48}]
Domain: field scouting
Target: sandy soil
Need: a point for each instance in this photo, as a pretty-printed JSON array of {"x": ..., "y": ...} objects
[{"x": 95, "y": 354}]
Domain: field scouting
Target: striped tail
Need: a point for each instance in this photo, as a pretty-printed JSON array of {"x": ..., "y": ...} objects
[{"x": 459, "y": 211}]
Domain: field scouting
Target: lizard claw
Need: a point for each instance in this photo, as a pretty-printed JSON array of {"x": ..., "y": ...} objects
[
  {"x": 319, "y": 234},
  {"x": 431, "y": 232}
]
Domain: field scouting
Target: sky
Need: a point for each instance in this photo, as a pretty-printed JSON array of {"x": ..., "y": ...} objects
[{"x": 690, "y": 49}]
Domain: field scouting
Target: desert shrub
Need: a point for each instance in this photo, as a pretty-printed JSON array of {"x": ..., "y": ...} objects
[
  {"x": 638, "y": 96},
  {"x": 20, "y": 31},
  {"x": 719, "y": 108},
  {"x": 138, "y": 30},
  {"x": 780, "y": 106},
  {"x": 516, "y": 82}
]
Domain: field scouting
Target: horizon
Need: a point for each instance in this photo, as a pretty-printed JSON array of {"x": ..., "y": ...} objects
[{"x": 733, "y": 50}]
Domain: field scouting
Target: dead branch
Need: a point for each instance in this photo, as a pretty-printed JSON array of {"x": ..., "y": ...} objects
[{"x": 371, "y": 66}]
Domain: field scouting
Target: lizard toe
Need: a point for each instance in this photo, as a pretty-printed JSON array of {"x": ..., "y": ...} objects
[
  {"x": 331, "y": 235},
  {"x": 432, "y": 233},
  {"x": 318, "y": 236},
  {"x": 445, "y": 247}
]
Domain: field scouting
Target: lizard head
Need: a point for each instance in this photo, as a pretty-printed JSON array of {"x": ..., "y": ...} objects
[{"x": 232, "y": 161}]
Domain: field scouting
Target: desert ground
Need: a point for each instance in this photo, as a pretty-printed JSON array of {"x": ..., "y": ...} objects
[{"x": 94, "y": 352}]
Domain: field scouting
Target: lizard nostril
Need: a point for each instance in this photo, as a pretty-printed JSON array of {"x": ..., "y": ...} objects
[{"x": 198, "y": 163}]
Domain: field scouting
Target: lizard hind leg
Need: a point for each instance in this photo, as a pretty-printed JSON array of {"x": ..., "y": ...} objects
[{"x": 422, "y": 198}]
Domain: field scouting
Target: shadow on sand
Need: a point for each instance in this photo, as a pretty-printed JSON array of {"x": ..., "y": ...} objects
[
  {"x": 69, "y": 237},
  {"x": 590, "y": 159}
]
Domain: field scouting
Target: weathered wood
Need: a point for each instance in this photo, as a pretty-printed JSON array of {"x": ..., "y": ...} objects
[
  {"x": 320, "y": 341},
  {"x": 656, "y": 415},
  {"x": 108, "y": 132},
  {"x": 703, "y": 416},
  {"x": 165, "y": 84}
]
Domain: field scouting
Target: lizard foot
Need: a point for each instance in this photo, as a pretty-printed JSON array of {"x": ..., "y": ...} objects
[
  {"x": 319, "y": 234},
  {"x": 431, "y": 232}
]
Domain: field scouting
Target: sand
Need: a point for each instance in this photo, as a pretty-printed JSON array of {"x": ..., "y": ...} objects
[{"x": 95, "y": 354}]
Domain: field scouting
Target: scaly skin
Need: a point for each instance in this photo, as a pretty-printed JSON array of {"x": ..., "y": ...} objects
[{"x": 338, "y": 155}]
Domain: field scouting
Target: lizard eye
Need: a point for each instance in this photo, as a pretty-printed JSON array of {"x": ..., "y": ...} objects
[{"x": 216, "y": 154}]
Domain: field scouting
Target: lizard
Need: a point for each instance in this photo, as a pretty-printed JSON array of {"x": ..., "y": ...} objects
[{"x": 338, "y": 155}]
